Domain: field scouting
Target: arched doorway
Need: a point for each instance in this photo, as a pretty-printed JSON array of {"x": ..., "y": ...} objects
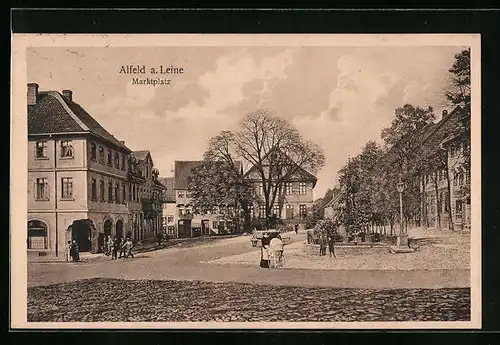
[
  {"x": 37, "y": 235},
  {"x": 119, "y": 228},
  {"x": 81, "y": 233},
  {"x": 108, "y": 225}
]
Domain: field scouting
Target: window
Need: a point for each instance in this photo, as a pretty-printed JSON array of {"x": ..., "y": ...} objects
[
  {"x": 458, "y": 208},
  {"x": 302, "y": 211},
  {"x": 123, "y": 162},
  {"x": 251, "y": 211},
  {"x": 460, "y": 179},
  {"x": 110, "y": 191},
  {"x": 260, "y": 190},
  {"x": 189, "y": 195},
  {"x": 67, "y": 187},
  {"x": 171, "y": 230},
  {"x": 288, "y": 188},
  {"x": 302, "y": 188},
  {"x": 37, "y": 235},
  {"x": 215, "y": 210},
  {"x": 276, "y": 210},
  {"x": 230, "y": 211},
  {"x": 170, "y": 219},
  {"x": 93, "y": 151},
  {"x": 101, "y": 190},
  {"x": 42, "y": 189},
  {"x": 455, "y": 178},
  {"x": 41, "y": 149},
  {"x": 124, "y": 193},
  {"x": 101, "y": 154},
  {"x": 289, "y": 211},
  {"x": 130, "y": 191},
  {"x": 446, "y": 201},
  {"x": 110, "y": 157},
  {"x": 117, "y": 160},
  {"x": 180, "y": 194},
  {"x": 66, "y": 149},
  {"x": 117, "y": 192},
  {"x": 262, "y": 211},
  {"x": 94, "y": 189}
]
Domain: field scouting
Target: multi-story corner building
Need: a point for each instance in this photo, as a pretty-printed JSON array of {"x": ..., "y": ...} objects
[
  {"x": 78, "y": 177},
  {"x": 169, "y": 207},
  {"x": 296, "y": 198}
]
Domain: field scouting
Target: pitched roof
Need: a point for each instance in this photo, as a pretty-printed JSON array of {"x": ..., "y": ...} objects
[
  {"x": 141, "y": 154},
  {"x": 169, "y": 183},
  {"x": 53, "y": 113},
  {"x": 183, "y": 169},
  {"x": 306, "y": 175}
]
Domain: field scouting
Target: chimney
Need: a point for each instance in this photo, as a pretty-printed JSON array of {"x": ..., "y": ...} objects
[
  {"x": 68, "y": 94},
  {"x": 123, "y": 142},
  {"x": 32, "y": 93},
  {"x": 445, "y": 113}
]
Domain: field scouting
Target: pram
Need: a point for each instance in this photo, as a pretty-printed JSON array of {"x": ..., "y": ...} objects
[{"x": 277, "y": 259}]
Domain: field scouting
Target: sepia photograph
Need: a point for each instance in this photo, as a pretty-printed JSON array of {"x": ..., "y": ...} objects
[{"x": 251, "y": 181}]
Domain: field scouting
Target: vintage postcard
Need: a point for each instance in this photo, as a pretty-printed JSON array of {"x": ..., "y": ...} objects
[{"x": 246, "y": 181}]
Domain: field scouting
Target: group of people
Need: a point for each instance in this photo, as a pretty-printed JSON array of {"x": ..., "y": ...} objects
[
  {"x": 72, "y": 251},
  {"x": 325, "y": 241},
  {"x": 271, "y": 251},
  {"x": 119, "y": 247}
]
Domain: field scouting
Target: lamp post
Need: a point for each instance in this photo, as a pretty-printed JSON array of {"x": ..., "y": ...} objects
[{"x": 400, "y": 187}]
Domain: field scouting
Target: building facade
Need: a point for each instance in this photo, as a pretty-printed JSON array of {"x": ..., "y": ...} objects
[
  {"x": 294, "y": 201},
  {"x": 188, "y": 221},
  {"x": 78, "y": 177},
  {"x": 169, "y": 207}
]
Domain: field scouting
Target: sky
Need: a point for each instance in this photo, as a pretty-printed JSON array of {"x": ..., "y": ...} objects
[{"x": 338, "y": 97}]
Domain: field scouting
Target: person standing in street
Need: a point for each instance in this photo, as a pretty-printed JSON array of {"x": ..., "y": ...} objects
[
  {"x": 276, "y": 248},
  {"x": 68, "y": 251},
  {"x": 264, "y": 251},
  {"x": 331, "y": 245},
  {"x": 116, "y": 248},
  {"x": 296, "y": 229},
  {"x": 128, "y": 246},
  {"x": 75, "y": 254}
]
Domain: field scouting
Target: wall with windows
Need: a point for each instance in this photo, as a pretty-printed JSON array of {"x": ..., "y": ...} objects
[
  {"x": 104, "y": 158},
  {"x": 99, "y": 194},
  {"x": 71, "y": 190}
]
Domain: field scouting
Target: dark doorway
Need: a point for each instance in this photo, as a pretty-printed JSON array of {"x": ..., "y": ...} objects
[
  {"x": 108, "y": 224},
  {"x": 184, "y": 227},
  {"x": 205, "y": 227},
  {"x": 119, "y": 229},
  {"x": 81, "y": 233},
  {"x": 100, "y": 242}
]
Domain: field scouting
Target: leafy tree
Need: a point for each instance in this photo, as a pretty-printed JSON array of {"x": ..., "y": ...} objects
[
  {"x": 219, "y": 184},
  {"x": 273, "y": 147}
]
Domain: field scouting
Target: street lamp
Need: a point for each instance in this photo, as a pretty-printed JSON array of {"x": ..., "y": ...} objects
[{"x": 400, "y": 187}]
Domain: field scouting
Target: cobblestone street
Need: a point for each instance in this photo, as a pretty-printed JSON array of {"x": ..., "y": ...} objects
[{"x": 164, "y": 301}]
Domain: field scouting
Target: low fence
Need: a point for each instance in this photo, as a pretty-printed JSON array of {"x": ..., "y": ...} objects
[{"x": 349, "y": 249}]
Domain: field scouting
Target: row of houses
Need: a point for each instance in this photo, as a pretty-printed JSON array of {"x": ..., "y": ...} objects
[
  {"x": 445, "y": 191},
  {"x": 83, "y": 183},
  {"x": 181, "y": 220}
]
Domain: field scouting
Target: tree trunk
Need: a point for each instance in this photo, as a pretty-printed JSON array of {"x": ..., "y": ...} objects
[{"x": 422, "y": 204}]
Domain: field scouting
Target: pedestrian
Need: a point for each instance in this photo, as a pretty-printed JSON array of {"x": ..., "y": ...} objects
[
  {"x": 159, "y": 237},
  {"x": 276, "y": 249},
  {"x": 75, "y": 254},
  {"x": 296, "y": 229},
  {"x": 116, "y": 247},
  {"x": 322, "y": 245},
  {"x": 120, "y": 247},
  {"x": 264, "y": 251},
  {"x": 331, "y": 245},
  {"x": 68, "y": 251},
  {"x": 110, "y": 245},
  {"x": 128, "y": 246}
]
